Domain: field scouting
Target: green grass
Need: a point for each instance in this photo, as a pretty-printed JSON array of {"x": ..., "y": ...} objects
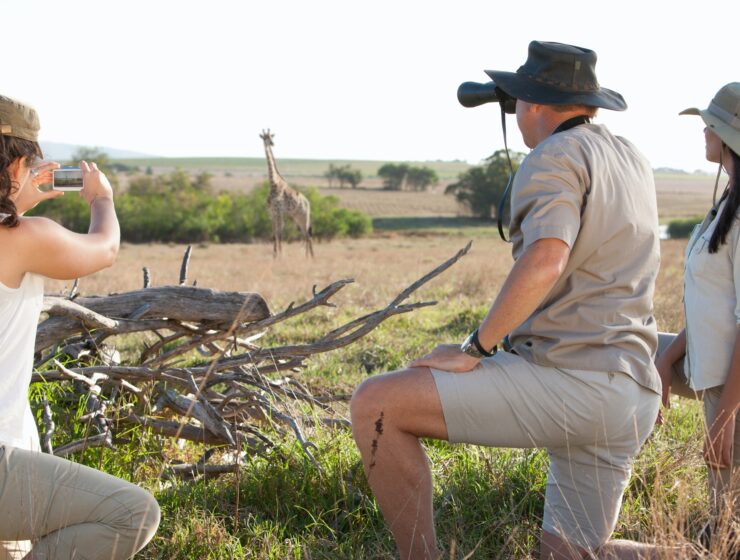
[{"x": 488, "y": 501}]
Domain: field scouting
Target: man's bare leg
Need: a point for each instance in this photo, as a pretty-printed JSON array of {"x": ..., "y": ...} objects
[{"x": 390, "y": 413}]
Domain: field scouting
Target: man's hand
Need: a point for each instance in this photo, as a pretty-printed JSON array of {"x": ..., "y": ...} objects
[
  {"x": 30, "y": 195},
  {"x": 719, "y": 441},
  {"x": 665, "y": 370},
  {"x": 447, "y": 357}
]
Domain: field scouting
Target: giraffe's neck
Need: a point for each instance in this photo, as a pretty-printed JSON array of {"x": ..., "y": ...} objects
[{"x": 272, "y": 167}]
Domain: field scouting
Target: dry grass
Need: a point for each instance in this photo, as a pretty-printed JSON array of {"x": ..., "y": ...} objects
[
  {"x": 683, "y": 196},
  {"x": 381, "y": 266},
  {"x": 664, "y": 504}
]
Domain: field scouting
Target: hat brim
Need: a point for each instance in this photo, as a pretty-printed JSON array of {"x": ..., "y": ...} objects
[
  {"x": 531, "y": 91},
  {"x": 726, "y": 133}
]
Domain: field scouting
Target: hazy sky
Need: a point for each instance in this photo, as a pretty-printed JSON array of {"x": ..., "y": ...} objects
[{"x": 349, "y": 80}]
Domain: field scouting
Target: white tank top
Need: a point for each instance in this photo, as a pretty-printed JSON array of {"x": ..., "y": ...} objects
[{"x": 19, "y": 316}]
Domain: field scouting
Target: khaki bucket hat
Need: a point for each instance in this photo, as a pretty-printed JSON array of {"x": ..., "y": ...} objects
[
  {"x": 723, "y": 115},
  {"x": 18, "y": 119}
]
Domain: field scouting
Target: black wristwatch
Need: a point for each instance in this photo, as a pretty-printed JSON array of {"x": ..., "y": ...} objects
[{"x": 472, "y": 347}]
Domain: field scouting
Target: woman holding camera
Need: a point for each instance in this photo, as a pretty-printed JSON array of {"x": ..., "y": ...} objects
[
  {"x": 67, "y": 510},
  {"x": 703, "y": 360}
]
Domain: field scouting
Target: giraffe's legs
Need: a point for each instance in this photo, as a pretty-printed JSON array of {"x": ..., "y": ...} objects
[
  {"x": 277, "y": 234},
  {"x": 309, "y": 244},
  {"x": 303, "y": 221}
]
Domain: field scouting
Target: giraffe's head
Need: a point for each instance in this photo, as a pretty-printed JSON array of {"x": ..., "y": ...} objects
[{"x": 267, "y": 137}]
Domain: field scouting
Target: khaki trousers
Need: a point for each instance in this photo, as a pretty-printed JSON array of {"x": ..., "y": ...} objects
[
  {"x": 724, "y": 484},
  {"x": 69, "y": 511}
]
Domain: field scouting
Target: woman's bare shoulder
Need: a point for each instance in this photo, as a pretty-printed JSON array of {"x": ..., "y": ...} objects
[{"x": 36, "y": 226}]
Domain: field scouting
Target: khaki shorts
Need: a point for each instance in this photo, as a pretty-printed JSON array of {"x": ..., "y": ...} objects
[{"x": 592, "y": 424}]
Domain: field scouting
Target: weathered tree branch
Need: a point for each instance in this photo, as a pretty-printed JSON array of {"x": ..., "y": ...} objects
[
  {"x": 236, "y": 389},
  {"x": 167, "y": 304}
]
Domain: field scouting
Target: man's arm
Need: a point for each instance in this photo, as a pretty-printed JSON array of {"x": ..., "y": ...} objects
[{"x": 532, "y": 277}]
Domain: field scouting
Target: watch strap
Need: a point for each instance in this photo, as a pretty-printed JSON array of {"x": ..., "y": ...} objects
[{"x": 480, "y": 348}]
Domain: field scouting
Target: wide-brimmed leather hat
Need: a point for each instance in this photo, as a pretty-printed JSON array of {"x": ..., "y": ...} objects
[
  {"x": 558, "y": 74},
  {"x": 723, "y": 115}
]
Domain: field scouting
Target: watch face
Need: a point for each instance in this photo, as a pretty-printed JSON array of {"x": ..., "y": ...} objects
[{"x": 469, "y": 348}]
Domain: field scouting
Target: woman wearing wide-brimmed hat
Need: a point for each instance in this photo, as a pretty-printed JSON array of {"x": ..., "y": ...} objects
[
  {"x": 67, "y": 510},
  {"x": 704, "y": 359}
]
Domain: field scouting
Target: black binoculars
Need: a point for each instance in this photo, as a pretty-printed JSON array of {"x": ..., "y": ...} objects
[{"x": 472, "y": 94}]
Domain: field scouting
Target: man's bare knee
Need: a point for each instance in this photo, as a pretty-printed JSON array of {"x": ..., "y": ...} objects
[
  {"x": 367, "y": 400},
  {"x": 406, "y": 399}
]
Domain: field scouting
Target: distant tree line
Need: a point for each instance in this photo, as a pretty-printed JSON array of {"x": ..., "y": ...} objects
[
  {"x": 182, "y": 209},
  {"x": 343, "y": 174},
  {"x": 396, "y": 176},
  {"x": 104, "y": 163},
  {"x": 402, "y": 177}
]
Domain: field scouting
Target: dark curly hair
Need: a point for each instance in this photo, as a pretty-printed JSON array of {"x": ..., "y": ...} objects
[
  {"x": 11, "y": 149},
  {"x": 729, "y": 213}
]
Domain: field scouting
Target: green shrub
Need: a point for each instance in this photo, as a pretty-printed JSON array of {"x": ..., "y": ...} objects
[
  {"x": 176, "y": 208},
  {"x": 682, "y": 228},
  {"x": 69, "y": 210}
]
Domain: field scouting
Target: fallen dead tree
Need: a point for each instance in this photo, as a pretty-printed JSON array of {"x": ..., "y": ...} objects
[{"x": 204, "y": 376}]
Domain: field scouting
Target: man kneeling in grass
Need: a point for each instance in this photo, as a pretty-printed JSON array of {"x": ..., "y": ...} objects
[{"x": 577, "y": 377}]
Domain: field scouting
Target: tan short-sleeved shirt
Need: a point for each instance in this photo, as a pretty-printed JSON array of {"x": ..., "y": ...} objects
[{"x": 599, "y": 314}]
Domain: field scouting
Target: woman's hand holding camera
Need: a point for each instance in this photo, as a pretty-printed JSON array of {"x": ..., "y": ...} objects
[
  {"x": 95, "y": 183},
  {"x": 29, "y": 194}
]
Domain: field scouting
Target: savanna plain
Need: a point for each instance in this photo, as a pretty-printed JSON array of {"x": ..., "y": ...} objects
[{"x": 488, "y": 502}]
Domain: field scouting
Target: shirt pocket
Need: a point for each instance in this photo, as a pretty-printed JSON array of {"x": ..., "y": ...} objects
[
  {"x": 700, "y": 262},
  {"x": 693, "y": 241},
  {"x": 701, "y": 245}
]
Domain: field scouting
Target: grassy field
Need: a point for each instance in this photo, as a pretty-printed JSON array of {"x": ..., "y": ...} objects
[
  {"x": 303, "y": 168},
  {"x": 245, "y": 173},
  {"x": 488, "y": 502},
  {"x": 680, "y": 195}
]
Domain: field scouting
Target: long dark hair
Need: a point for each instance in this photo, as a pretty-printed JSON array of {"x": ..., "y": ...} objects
[
  {"x": 11, "y": 149},
  {"x": 729, "y": 213}
]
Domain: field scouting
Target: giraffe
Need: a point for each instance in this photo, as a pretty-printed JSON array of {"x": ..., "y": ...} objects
[{"x": 285, "y": 200}]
